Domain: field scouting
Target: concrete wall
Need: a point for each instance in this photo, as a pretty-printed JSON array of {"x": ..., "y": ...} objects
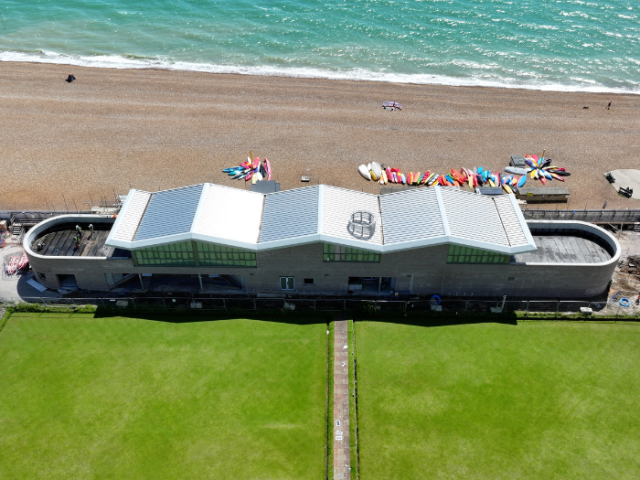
[{"x": 420, "y": 272}]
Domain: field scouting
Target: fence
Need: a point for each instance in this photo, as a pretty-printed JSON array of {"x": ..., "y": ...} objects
[
  {"x": 593, "y": 216},
  {"x": 612, "y": 307}
]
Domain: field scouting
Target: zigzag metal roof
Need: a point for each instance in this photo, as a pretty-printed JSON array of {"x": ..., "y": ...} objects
[{"x": 407, "y": 219}]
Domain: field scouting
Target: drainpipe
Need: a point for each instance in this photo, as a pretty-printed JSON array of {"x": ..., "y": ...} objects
[{"x": 504, "y": 300}]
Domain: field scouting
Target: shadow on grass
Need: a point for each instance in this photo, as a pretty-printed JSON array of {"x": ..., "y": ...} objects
[
  {"x": 191, "y": 316},
  {"x": 435, "y": 319},
  {"x": 440, "y": 319}
]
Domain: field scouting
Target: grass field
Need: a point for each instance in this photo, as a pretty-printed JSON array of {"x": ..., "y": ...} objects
[
  {"x": 540, "y": 400},
  {"x": 82, "y": 397}
]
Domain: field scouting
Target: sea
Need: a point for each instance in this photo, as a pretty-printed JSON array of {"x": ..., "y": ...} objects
[{"x": 558, "y": 45}]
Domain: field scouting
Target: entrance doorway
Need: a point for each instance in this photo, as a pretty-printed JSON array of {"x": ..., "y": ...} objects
[
  {"x": 369, "y": 286},
  {"x": 68, "y": 282}
]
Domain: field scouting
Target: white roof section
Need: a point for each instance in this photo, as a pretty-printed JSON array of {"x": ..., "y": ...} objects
[
  {"x": 228, "y": 216},
  {"x": 407, "y": 219},
  {"x": 337, "y": 206},
  {"x": 126, "y": 225}
]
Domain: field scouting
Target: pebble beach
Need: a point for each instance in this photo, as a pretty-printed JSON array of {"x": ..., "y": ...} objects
[{"x": 67, "y": 145}]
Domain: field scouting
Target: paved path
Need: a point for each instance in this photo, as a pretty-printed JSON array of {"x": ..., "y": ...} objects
[{"x": 341, "y": 451}]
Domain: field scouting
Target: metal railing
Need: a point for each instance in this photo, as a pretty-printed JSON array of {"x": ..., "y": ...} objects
[
  {"x": 611, "y": 307},
  {"x": 593, "y": 216}
]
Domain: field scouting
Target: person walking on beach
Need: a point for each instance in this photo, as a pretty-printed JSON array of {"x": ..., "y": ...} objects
[{"x": 609, "y": 106}]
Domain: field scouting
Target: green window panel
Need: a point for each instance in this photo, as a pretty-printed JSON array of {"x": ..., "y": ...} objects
[
  {"x": 175, "y": 255},
  {"x": 338, "y": 253},
  {"x": 210, "y": 255},
  {"x": 458, "y": 254}
]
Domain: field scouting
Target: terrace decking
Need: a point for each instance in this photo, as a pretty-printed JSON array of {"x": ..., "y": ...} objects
[
  {"x": 60, "y": 243},
  {"x": 564, "y": 249}
]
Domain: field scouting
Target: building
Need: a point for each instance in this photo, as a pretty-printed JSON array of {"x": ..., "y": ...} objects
[{"x": 323, "y": 240}]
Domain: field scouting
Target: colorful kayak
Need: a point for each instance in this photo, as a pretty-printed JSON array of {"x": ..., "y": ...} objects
[
  {"x": 522, "y": 181},
  {"x": 268, "y": 164}
]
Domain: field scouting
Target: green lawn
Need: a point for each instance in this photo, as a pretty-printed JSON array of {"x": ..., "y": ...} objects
[
  {"x": 82, "y": 397},
  {"x": 540, "y": 400}
]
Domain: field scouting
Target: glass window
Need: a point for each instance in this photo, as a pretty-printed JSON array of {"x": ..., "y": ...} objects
[
  {"x": 287, "y": 283},
  {"x": 339, "y": 253},
  {"x": 458, "y": 254},
  {"x": 210, "y": 255},
  {"x": 175, "y": 254}
]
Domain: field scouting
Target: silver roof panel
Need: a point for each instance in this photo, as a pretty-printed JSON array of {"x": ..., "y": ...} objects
[
  {"x": 170, "y": 212},
  {"x": 411, "y": 215},
  {"x": 290, "y": 214}
]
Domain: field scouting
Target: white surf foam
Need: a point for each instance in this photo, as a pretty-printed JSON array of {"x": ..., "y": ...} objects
[{"x": 121, "y": 62}]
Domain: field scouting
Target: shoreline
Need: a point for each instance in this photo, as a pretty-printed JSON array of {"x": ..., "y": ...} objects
[
  {"x": 302, "y": 73},
  {"x": 152, "y": 129}
]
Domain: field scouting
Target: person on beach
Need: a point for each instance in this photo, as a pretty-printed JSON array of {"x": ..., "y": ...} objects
[
  {"x": 70, "y": 78},
  {"x": 609, "y": 106}
]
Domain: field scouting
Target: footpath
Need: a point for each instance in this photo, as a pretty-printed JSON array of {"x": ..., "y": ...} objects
[{"x": 341, "y": 439}]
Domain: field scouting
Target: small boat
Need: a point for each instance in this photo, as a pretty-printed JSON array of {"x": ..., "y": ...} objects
[
  {"x": 557, "y": 177},
  {"x": 522, "y": 181},
  {"x": 268, "y": 165},
  {"x": 377, "y": 169},
  {"x": 385, "y": 179},
  {"x": 364, "y": 171},
  {"x": 516, "y": 170},
  {"x": 432, "y": 179},
  {"x": 428, "y": 178}
]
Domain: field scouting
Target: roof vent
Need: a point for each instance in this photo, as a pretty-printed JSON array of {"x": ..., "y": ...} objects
[{"x": 362, "y": 224}]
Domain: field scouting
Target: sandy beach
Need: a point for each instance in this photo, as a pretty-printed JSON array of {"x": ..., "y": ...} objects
[{"x": 113, "y": 130}]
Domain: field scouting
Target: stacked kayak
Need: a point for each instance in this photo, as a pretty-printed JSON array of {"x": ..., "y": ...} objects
[
  {"x": 514, "y": 178},
  {"x": 252, "y": 170},
  {"x": 541, "y": 169},
  {"x": 463, "y": 177}
]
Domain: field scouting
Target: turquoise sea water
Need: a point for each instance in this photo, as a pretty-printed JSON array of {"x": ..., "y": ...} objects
[{"x": 539, "y": 44}]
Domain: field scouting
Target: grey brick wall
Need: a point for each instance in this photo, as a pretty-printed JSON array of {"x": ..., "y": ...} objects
[{"x": 419, "y": 272}]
